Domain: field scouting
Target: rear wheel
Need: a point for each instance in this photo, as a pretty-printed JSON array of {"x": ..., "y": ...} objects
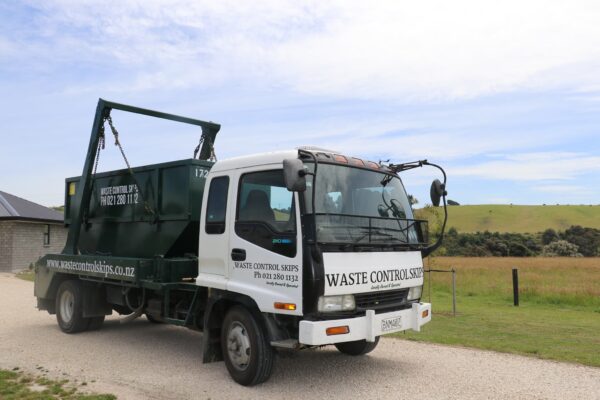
[
  {"x": 69, "y": 307},
  {"x": 357, "y": 348},
  {"x": 248, "y": 355}
]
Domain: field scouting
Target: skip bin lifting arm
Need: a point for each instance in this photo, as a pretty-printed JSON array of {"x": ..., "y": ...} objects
[{"x": 83, "y": 193}]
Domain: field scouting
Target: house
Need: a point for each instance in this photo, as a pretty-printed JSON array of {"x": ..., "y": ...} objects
[{"x": 27, "y": 232}]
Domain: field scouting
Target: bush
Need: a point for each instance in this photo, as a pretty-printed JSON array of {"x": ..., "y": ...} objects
[
  {"x": 586, "y": 239},
  {"x": 491, "y": 244},
  {"x": 561, "y": 248},
  {"x": 549, "y": 236}
]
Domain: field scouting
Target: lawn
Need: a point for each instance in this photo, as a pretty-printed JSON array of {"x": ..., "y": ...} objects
[
  {"x": 520, "y": 219},
  {"x": 16, "y": 384},
  {"x": 27, "y": 275},
  {"x": 558, "y": 318}
]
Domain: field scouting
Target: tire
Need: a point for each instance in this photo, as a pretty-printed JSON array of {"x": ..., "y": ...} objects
[
  {"x": 69, "y": 307},
  {"x": 248, "y": 354},
  {"x": 357, "y": 348},
  {"x": 95, "y": 323}
]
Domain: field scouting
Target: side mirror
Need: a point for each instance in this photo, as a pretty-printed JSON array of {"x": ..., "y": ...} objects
[
  {"x": 436, "y": 192},
  {"x": 294, "y": 175}
]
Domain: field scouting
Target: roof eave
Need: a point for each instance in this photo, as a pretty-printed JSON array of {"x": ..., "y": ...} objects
[{"x": 25, "y": 219}]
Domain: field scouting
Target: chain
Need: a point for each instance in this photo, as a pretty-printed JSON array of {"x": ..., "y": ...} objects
[
  {"x": 205, "y": 137},
  {"x": 197, "y": 149},
  {"x": 100, "y": 147},
  {"x": 118, "y": 144},
  {"x": 213, "y": 156}
]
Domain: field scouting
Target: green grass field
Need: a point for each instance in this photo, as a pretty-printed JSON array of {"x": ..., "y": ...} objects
[
  {"x": 521, "y": 219},
  {"x": 558, "y": 319}
]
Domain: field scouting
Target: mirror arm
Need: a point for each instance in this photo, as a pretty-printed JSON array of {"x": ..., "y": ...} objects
[
  {"x": 425, "y": 162},
  {"x": 416, "y": 164},
  {"x": 430, "y": 249}
]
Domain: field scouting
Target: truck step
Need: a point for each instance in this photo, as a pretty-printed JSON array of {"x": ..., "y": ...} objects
[{"x": 286, "y": 344}]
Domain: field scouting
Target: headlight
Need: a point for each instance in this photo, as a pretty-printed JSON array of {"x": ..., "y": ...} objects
[
  {"x": 336, "y": 303},
  {"x": 414, "y": 293}
]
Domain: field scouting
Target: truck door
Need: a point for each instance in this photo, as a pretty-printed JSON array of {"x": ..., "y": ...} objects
[
  {"x": 213, "y": 254},
  {"x": 265, "y": 260}
]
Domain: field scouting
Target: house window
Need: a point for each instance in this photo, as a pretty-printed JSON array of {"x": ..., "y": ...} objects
[{"x": 47, "y": 235}]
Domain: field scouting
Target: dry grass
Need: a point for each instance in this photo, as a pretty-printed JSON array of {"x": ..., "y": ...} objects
[
  {"x": 559, "y": 315},
  {"x": 573, "y": 281}
]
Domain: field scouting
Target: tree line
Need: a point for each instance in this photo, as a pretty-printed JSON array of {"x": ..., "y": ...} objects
[{"x": 576, "y": 241}]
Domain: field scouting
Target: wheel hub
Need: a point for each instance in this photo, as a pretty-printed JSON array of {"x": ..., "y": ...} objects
[
  {"x": 67, "y": 301},
  {"x": 238, "y": 346}
]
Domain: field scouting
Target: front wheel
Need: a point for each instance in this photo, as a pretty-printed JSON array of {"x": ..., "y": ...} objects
[
  {"x": 248, "y": 355},
  {"x": 69, "y": 307},
  {"x": 357, "y": 348}
]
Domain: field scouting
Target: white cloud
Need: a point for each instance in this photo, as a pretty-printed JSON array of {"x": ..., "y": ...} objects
[
  {"x": 385, "y": 49},
  {"x": 534, "y": 167},
  {"x": 563, "y": 189},
  {"x": 448, "y": 49}
]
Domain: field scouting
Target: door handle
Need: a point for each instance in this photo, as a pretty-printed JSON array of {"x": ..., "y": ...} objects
[{"x": 238, "y": 254}]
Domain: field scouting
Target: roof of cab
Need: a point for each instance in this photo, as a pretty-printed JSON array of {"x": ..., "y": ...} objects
[{"x": 275, "y": 157}]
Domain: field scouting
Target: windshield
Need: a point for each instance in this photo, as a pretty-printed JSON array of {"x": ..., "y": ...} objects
[{"x": 358, "y": 206}]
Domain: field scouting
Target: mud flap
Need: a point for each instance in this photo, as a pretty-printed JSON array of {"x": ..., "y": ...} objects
[
  {"x": 94, "y": 301},
  {"x": 211, "y": 333}
]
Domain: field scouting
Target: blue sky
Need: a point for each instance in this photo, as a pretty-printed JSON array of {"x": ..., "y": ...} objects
[{"x": 505, "y": 95}]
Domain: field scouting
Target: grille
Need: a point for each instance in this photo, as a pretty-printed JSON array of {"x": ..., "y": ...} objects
[{"x": 380, "y": 300}]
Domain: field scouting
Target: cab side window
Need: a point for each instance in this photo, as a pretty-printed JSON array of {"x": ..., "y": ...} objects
[
  {"x": 266, "y": 212},
  {"x": 216, "y": 208}
]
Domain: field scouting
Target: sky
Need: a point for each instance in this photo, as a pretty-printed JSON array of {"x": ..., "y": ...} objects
[{"x": 504, "y": 95}]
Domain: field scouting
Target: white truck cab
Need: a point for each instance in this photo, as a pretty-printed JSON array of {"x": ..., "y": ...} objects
[{"x": 359, "y": 278}]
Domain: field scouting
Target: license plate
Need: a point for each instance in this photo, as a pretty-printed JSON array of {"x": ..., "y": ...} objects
[{"x": 391, "y": 324}]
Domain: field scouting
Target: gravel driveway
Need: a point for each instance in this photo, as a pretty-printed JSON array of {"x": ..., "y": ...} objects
[{"x": 141, "y": 360}]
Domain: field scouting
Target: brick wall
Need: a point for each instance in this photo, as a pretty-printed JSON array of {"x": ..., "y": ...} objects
[
  {"x": 6, "y": 245},
  {"x": 28, "y": 243}
]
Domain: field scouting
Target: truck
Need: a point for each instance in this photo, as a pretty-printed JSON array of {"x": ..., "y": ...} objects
[{"x": 263, "y": 254}]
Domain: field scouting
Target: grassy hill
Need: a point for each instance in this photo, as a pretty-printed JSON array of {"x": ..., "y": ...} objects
[{"x": 520, "y": 219}]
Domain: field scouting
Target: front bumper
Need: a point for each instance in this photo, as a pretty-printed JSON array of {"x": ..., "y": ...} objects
[{"x": 368, "y": 327}]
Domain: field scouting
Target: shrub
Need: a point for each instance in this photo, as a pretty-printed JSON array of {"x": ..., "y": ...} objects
[
  {"x": 586, "y": 239},
  {"x": 549, "y": 236},
  {"x": 561, "y": 248}
]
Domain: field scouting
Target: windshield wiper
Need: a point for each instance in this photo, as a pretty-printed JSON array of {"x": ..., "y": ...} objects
[{"x": 369, "y": 232}]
